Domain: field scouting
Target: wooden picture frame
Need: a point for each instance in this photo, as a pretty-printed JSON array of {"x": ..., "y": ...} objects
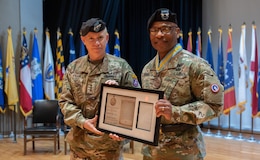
[{"x": 130, "y": 113}]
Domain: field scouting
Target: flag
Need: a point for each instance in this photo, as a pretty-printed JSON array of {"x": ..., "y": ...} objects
[
  {"x": 209, "y": 56},
  {"x": 2, "y": 98},
  {"x": 60, "y": 68},
  {"x": 117, "y": 45},
  {"x": 25, "y": 82},
  {"x": 229, "y": 86},
  {"x": 220, "y": 68},
  {"x": 242, "y": 71},
  {"x": 72, "y": 47},
  {"x": 107, "y": 49},
  {"x": 254, "y": 74},
  {"x": 256, "y": 108},
  {"x": 82, "y": 50},
  {"x": 181, "y": 39},
  {"x": 48, "y": 69},
  {"x": 189, "y": 44},
  {"x": 10, "y": 78},
  {"x": 198, "y": 43},
  {"x": 36, "y": 71}
]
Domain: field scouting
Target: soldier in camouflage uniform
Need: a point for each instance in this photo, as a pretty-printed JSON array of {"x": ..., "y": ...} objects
[
  {"x": 80, "y": 95},
  {"x": 193, "y": 93}
]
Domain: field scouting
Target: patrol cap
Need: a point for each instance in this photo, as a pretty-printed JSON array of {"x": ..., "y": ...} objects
[
  {"x": 162, "y": 14},
  {"x": 92, "y": 25}
]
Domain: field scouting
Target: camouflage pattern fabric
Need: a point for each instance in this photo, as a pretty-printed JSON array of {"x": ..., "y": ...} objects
[
  {"x": 196, "y": 96},
  {"x": 80, "y": 98}
]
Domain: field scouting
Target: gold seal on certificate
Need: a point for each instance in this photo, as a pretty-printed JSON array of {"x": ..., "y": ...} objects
[{"x": 113, "y": 101}]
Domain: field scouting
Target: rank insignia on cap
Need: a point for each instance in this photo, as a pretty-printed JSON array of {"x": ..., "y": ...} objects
[
  {"x": 92, "y": 25},
  {"x": 165, "y": 14},
  {"x": 214, "y": 88},
  {"x": 97, "y": 26},
  {"x": 162, "y": 14}
]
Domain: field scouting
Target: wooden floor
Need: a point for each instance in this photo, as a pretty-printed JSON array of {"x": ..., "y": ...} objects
[{"x": 217, "y": 149}]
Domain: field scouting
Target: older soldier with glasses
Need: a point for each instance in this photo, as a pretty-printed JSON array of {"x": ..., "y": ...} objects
[
  {"x": 79, "y": 100},
  {"x": 193, "y": 93}
]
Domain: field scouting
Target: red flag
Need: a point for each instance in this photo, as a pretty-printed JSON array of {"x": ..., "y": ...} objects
[
  {"x": 189, "y": 44},
  {"x": 229, "y": 93},
  {"x": 25, "y": 82},
  {"x": 253, "y": 75}
]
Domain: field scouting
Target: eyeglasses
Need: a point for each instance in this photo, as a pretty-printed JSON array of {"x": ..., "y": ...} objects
[{"x": 164, "y": 30}]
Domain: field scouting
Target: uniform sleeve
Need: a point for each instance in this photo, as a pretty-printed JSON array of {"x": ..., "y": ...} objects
[
  {"x": 208, "y": 97},
  {"x": 72, "y": 113},
  {"x": 129, "y": 77}
]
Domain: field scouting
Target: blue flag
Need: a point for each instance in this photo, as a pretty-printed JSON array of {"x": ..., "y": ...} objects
[
  {"x": 72, "y": 48},
  {"x": 2, "y": 107},
  {"x": 181, "y": 39},
  {"x": 220, "y": 69},
  {"x": 117, "y": 45},
  {"x": 36, "y": 72},
  {"x": 209, "y": 57},
  {"x": 198, "y": 43},
  {"x": 107, "y": 49},
  {"x": 82, "y": 51}
]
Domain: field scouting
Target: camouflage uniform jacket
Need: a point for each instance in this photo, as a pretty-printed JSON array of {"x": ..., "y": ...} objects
[
  {"x": 79, "y": 101},
  {"x": 196, "y": 95}
]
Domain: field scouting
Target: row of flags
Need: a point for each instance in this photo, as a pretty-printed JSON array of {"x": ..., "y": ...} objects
[
  {"x": 116, "y": 45},
  {"x": 33, "y": 83},
  {"x": 226, "y": 73},
  {"x": 46, "y": 81}
]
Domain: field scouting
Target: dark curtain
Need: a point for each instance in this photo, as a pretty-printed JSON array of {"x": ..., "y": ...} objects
[{"x": 129, "y": 17}]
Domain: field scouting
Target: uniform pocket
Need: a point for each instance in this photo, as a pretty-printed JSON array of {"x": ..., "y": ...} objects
[{"x": 78, "y": 85}]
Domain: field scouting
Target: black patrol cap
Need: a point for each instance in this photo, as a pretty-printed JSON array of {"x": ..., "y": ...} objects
[
  {"x": 162, "y": 14},
  {"x": 92, "y": 25}
]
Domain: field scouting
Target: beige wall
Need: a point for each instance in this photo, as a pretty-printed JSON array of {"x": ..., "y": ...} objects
[{"x": 19, "y": 14}]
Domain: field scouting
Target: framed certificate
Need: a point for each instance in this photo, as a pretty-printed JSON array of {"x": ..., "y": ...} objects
[{"x": 129, "y": 113}]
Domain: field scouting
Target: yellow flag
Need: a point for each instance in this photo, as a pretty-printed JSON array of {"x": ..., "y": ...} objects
[{"x": 10, "y": 78}]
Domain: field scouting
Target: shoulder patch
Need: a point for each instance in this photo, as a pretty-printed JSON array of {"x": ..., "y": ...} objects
[
  {"x": 135, "y": 80},
  {"x": 214, "y": 88}
]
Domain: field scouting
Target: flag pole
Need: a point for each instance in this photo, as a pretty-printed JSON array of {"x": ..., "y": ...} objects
[
  {"x": 209, "y": 133},
  {"x": 219, "y": 134},
  {"x": 240, "y": 137},
  {"x": 252, "y": 139},
  {"x": 2, "y": 119},
  {"x": 229, "y": 135},
  {"x": 11, "y": 135},
  {"x": 14, "y": 123}
]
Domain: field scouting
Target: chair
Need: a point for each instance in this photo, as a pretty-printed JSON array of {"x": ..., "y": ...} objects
[
  {"x": 43, "y": 124},
  {"x": 66, "y": 131},
  {"x": 132, "y": 146}
]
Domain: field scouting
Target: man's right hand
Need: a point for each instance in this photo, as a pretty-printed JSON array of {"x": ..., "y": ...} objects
[{"x": 90, "y": 124}]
